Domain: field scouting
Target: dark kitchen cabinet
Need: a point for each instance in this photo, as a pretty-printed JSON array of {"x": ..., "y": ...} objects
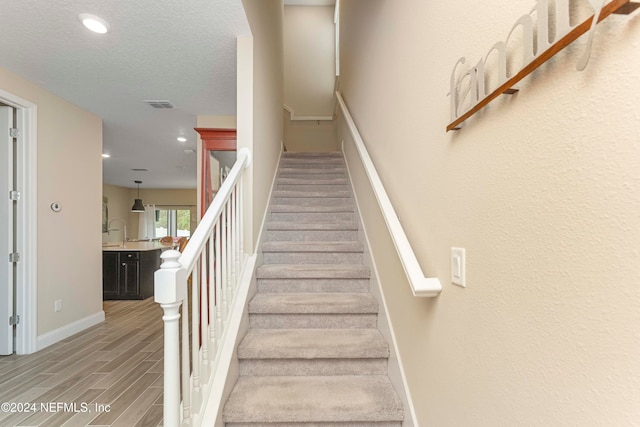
[{"x": 129, "y": 274}]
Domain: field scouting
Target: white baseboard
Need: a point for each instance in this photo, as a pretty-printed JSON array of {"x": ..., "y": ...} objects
[{"x": 45, "y": 340}]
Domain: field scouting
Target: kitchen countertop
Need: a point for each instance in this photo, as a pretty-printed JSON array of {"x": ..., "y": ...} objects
[{"x": 134, "y": 246}]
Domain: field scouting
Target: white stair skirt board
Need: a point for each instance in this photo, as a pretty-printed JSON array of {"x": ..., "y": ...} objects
[{"x": 313, "y": 354}]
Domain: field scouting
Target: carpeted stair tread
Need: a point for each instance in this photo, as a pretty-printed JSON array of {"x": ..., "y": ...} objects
[
  {"x": 310, "y": 246},
  {"x": 306, "y": 209},
  {"x": 313, "y": 303},
  {"x": 286, "y": 225},
  {"x": 312, "y": 271},
  {"x": 317, "y": 181},
  {"x": 312, "y": 163},
  {"x": 311, "y": 169},
  {"x": 303, "y": 172},
  {"x": 310, "y": 154},
  {"x": 313, "y": 344},
  {"x": 299, "y": 399},
  {"x": 312, "y": 188},
  {"x": 311, "y": 159},
  {"x": 287, "y": 194}
]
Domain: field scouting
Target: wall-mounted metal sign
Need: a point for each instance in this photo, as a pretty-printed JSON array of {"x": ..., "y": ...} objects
[{"x": 468, "y": 93}]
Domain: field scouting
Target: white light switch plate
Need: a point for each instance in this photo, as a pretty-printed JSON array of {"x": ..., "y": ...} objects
[{"x": 458, "y": 267}]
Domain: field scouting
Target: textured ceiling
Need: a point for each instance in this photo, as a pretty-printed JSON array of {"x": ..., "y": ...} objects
[{"x": 178, "y": 50}]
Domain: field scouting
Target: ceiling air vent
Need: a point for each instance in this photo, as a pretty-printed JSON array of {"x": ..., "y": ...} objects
[{"x": 159, "y": 104}]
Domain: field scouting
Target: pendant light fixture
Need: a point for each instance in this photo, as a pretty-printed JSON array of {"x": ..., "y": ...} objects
[{"x": 137, "y": 205}]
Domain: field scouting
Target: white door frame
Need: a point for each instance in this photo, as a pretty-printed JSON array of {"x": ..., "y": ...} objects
[
  {"x": 27, "y": 218},
  {"x": 7, "y": 300}
]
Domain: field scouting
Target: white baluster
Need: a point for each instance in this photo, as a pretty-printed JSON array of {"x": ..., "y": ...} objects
[
  {"x": 186, "y": 370},
  {"x": 229, "y": 256},
  {"x": 240, "y": 219},
  {"x": 223, "y": 262},
  {"x": 220, "y": 309},
  {"x": 204, "y": 323},
  {"x": 195, "y": 334},
  {"x": 212, "y": 299},
  {"x": 234, "y": 230},
  {"x": 232, "y": 242}
]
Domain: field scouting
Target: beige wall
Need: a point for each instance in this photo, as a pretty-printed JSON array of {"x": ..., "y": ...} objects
[
  {"x": 308, "y": 135},
  {"x": 69, "y": 172},
  {"x": 121, "y": 199},
  {"x": 542, "y": 189},
  {"x": 309, "y": 59},
  {"x": 309, "y": 77},
  {"x": 265, "y": 19}
]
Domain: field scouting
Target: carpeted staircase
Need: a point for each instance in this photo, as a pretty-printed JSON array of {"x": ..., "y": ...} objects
[{"x": 313, "y": 355}]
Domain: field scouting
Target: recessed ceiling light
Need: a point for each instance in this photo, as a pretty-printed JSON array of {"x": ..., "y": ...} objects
[
  {"x": 94, "y": 23},
  {"x": 106, "y": 156},
  {"x": 182, "y": 139}
]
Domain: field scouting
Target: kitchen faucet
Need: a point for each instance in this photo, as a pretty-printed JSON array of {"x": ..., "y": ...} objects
[{"x": 124, "y": 231}]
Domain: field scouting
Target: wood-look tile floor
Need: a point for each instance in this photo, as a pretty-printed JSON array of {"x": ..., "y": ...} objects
[{"x": 116, "y": 365}]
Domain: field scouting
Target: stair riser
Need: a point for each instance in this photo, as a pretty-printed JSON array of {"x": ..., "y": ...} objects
[
  {"x": 318, "y": 217},
  {"x": 315, "y": 321},
  {"x": 350, "y": 424},
  {"x": 311, "y": 155},
  {"x": 313, "y": 285},
  {"x": 311, "y": 164},
  {"x": 312, "y": 181},
  {"x": 313, "y": 188},
  {"x": 311, "y": 178},
  {"x": 313, "y": 201},
  {"x": 311, "y": 235},
  {"x": 312, "y": 173},
  {"x": 298, "y": 367},
  {"x": 311, "y": 194},
  {"x": 312, "y": 258}
]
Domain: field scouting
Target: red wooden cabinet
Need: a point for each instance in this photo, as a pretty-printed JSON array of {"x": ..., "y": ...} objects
[{"x": 212, "y": 140}]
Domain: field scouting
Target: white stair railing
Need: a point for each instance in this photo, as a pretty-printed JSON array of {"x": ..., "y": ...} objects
[{"x": 196, "y": 290}]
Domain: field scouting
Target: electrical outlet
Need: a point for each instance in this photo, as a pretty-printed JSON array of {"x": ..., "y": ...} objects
[
  {"x": 458, "y": 267},
  {"x": 58, "y": 305}
]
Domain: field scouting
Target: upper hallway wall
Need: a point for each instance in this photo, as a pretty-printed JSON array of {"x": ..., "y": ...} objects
[
  {"x": 543, "y": 191},
  {"x": 309, "y": 59}
]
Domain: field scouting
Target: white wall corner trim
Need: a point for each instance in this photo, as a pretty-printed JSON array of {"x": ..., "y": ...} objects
[
  {"x": 421, "y": 286},
  {"x": 66, "y": 331}
]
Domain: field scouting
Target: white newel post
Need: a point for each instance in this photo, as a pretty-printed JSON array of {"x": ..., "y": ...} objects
[{"x": 170, "y": 290}]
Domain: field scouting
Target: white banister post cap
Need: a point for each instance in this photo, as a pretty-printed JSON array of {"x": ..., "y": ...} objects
[{"x": 170, "y": 259}]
